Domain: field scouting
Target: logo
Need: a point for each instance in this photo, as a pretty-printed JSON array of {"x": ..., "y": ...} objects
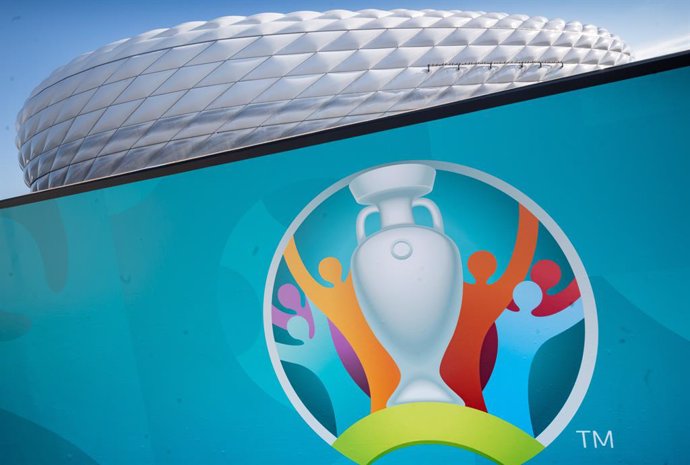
[{"x": 430, "y": 303}]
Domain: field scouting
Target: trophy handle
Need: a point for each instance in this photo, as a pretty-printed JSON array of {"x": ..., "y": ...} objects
[
  {"x": 361, "y": 220},
  {"x": 433, "y": 209}
]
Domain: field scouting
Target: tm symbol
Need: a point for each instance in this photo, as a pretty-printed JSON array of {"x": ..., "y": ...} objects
[{"x": 594, "y": 438}]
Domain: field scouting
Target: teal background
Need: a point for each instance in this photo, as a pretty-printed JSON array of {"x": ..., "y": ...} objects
[{"x": 131, "y": 328}]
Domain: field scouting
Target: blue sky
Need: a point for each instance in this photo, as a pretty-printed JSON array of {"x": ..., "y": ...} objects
[{"x": 39, "y": 36}]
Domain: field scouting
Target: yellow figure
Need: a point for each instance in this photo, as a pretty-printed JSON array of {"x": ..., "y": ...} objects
[{"x": 339, "y": 304}]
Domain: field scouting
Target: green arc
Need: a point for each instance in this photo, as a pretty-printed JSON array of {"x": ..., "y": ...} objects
[{"x": 404, "y": 425}]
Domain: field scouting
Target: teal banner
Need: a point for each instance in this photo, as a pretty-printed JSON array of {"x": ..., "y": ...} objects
[{"x": 231, "y": 314}]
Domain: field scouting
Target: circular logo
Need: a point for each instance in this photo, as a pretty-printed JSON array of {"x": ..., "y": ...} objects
[{"x": 430, "y": 303}]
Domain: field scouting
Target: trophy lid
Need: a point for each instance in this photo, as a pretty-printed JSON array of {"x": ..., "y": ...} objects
[{"x": 404, "y": 179}]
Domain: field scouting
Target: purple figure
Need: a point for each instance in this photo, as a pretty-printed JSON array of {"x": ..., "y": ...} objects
[
  {"x": 349, "y": 358},
  {"x": 290, "y": 298},
  {"x": 318, "y": 354}
]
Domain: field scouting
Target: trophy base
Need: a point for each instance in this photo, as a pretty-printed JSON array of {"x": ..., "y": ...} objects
[{"x": 424, "y": 390}]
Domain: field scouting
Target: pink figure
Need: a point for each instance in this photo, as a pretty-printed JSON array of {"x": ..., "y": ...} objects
[{"x": 547, "y": 274}]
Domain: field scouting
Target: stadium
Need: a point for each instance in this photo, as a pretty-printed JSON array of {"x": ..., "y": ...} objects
[{"x": 205, "y": 87}]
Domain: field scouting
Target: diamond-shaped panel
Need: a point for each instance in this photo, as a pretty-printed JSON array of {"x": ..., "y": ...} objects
[{"x": 233, "y": 81}]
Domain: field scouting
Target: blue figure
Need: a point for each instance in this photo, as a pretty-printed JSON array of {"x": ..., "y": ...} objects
[{"x": 520, "y": 336}]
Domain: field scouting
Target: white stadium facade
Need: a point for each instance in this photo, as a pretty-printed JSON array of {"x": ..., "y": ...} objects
[{"x": 205, "y": 87}]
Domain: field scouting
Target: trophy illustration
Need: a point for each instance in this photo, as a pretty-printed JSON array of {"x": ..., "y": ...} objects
[{"x": 407, "y": 278}]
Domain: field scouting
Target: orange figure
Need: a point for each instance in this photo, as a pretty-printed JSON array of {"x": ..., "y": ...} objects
[
  {"x": 340, "y": 305},
  {"x": 482, "y": 304}
]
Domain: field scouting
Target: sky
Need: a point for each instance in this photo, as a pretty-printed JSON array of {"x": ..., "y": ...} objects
[{"x": 39, "y": 36}]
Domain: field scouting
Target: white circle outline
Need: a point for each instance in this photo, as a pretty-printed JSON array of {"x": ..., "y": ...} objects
[{"x": 589, "y": 355}]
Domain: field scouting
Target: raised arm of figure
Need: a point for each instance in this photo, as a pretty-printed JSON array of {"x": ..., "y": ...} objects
[
  {"x": 557, "y": 323},
  {"x": 523, "y": 251},
  {"x": 547, "y": 274},
  {"x": 297, "y": 267}
]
